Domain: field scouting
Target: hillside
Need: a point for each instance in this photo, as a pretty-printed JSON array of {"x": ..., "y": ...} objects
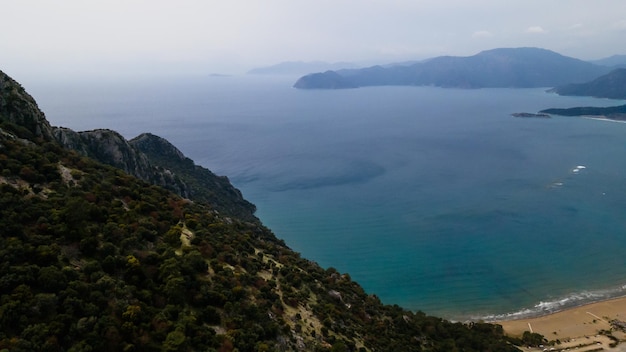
[
  {"x": 95, "y": 259},
  {"x": 497, "y": 68},
  {"x": 612, "y": 86},
  {"x": 155, "y": 160}
]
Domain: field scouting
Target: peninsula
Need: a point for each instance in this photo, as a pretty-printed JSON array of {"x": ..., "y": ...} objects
[
  {"x": 612, "y": 113},
  {"x": 611, "y": 86}
]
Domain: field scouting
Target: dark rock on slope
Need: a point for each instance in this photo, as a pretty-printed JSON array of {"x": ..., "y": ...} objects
[
  {"x": 155, "y": 160},
  {"x": 22, "y": 116},
  {"x": 108, "y": 147},
  {"x": 200, "y": 183},
  {"x": 20, "y": 109}
]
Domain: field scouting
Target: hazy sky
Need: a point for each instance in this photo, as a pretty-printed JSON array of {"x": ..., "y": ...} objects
[{"x": 233, "y": 36}]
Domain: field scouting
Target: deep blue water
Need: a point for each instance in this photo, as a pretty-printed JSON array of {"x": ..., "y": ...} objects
[{"x": 434, "y": 199}]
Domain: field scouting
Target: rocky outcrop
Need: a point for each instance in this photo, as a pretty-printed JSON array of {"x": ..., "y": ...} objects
[
  {"x": 157, "y": 161},
  {"x": 19, "y": 109},
  {"x": 197, "y": 182},
  {"x": 147, "y": 157},
  {"x": 108, "y": 147},
  {"x": 160, "y": 148}
]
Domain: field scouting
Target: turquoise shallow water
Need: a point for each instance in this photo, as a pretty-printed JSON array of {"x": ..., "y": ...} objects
[{"x": 437, "y": 200}]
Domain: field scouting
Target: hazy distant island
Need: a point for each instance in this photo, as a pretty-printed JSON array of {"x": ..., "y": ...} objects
[
  {"x": 496, "y": 68},
  {"x": 300, "y": 67},
  {"x": 615, "y": 61},
  {"x": 612, "y": 86},
  {"x": 219, "y": 75}
]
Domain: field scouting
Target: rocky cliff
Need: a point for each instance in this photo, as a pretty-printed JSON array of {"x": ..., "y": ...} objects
[
  {"x": 195, "y": 181},
  {"x": 20, "y": 110},
  {"x": 108, "y": 147},
  {"x": 155, "y": 160},
  {"x": 147, "y": 157}
]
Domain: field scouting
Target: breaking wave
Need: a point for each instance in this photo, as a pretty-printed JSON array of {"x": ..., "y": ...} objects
[{"x": 573, "y": 300}]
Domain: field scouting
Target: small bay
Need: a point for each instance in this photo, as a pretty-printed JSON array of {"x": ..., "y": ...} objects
[{"x": 434, "y": 199}]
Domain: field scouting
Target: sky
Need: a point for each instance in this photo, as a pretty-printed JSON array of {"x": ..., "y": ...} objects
[{"x": 90, "y": 37}]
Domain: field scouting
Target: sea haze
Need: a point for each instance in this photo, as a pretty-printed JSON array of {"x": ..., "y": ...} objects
[{"x": 434, "y": 199}]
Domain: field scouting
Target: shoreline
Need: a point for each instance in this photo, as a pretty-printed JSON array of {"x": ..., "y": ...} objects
[
  {"x": 602, "y": 118},
  {"x": 575, "y": 326}
]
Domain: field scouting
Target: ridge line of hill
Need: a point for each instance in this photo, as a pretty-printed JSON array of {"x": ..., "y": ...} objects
[{"x": 495, "y": 68}]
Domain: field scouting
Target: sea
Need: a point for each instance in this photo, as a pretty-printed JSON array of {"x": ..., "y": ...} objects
[{"x": 437, "y": 200}]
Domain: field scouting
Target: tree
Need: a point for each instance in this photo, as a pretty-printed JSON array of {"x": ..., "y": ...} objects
[
  {"x": 532, "y": 338},
  {"x": 174, "y": 341}
]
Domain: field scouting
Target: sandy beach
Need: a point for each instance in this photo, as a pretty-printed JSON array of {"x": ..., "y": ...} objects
[{"x": 576, "y": 327}]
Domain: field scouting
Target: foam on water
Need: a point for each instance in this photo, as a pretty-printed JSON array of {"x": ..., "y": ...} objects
[{"x": 548, "y": 307}]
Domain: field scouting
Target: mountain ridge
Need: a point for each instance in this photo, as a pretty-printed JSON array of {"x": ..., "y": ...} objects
[
  {"x": 617, "y": 61},
  {"x": 495, "y": 68}
]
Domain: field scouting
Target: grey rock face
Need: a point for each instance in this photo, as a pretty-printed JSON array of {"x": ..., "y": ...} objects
[{"x": 19, "y": 108}]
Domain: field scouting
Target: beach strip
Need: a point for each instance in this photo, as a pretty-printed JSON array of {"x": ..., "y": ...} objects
[{"x": 574, "y": 323}]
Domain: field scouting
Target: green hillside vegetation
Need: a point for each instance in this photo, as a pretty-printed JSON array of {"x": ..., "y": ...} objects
[
  {"x": 155, "y": 160},
  {"x": 94, "y": 259},
  {"x": 611, "y": 112},
  {"x": 203, "y": 185}
]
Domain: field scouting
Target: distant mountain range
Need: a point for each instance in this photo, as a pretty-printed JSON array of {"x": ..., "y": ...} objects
[
  {"x": 611, "y": 85},
  {"x": 300, "y": 68},
  {"x": 496, "y": 68},
  {"x": 612, "y": 61}
]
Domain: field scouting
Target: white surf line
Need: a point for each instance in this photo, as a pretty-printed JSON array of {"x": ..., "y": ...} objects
[
  {"x": 597, "y": 317},
  {"x": 531, "y": 328}
]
